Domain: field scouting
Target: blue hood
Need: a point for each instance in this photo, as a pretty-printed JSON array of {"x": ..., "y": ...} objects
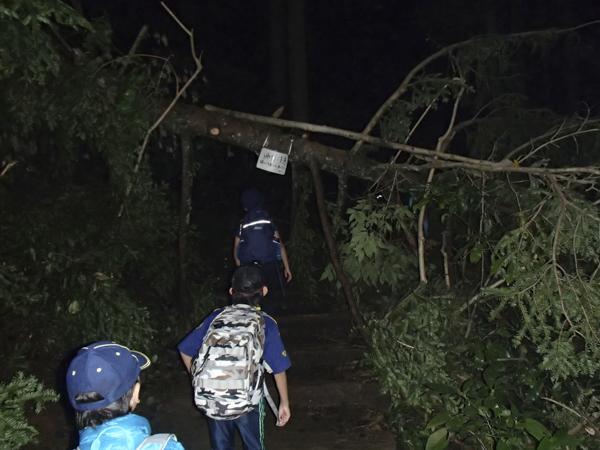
[
  {"x": 251, "y": 198},
  {"x": 122, "y": 433}
]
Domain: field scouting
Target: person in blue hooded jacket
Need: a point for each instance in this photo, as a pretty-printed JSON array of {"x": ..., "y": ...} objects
[
  {"x": 257, "y": 239},
  {"x": 104, "y": 388}
]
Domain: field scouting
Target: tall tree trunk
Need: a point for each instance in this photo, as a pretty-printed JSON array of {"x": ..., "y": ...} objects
[
  {"x": 335, "y": 259},
  {"x": 185, "y": 210},
  {"x": 297, "y": 55},
  {"x": 277, "y": 50}
]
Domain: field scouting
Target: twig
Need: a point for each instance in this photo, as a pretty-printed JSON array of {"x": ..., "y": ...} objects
[
  {"x": 566, "y": 407},
  {"x": 138, "y": 41},
  {"x": 435, "y": 159},
  {"x": 445, "y": 256},
  {"x": 563, "y": 208},
  {"x": 7, "y": 168},
  {"x": 479, "y": 294},
  {"x": 444, "y": 51},
  {"x": 197, "y": 60},
  {"x": 441, "y": 146}
]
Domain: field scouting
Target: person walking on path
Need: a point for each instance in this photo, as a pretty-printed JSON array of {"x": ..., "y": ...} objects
[
  {"x": 257, "y": 240},
  {"x": 104, "y": 388},
  {"x": 226, "y": 357}
]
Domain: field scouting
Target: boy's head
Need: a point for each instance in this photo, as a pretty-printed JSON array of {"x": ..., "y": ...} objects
[
  {"x": 248, "y": 284},
  {"x": 102, "y": 382},
  {"x": 251, "y": 198}
]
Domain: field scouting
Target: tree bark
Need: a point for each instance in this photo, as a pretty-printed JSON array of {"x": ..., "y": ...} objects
[
  {"x": 335, "y": 260},
  {"x": 188, "y": 119},
  {"x": 185, "y": 210}
]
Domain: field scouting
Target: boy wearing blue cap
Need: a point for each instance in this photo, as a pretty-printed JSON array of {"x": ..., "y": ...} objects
[
  {"x": 227, "y": 389},
  {"x": 104, "y": 388}
]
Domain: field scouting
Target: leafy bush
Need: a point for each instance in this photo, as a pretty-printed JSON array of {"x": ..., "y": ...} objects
[
  {"x": 512, "y": 366},
  {"x": 303, "y": 249},
  {"x": 374, "y": 253},
  {"x": 15, "y": 431}
]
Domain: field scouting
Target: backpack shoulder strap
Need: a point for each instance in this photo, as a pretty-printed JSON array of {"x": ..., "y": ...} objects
[{"x": 160, "y": 438}]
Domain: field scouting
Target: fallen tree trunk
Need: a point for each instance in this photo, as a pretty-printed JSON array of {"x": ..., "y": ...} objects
[{"x": 196, "y": 121}]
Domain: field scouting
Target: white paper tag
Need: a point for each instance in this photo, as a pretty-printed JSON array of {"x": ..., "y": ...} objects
[{"x": 272, "y": 161}]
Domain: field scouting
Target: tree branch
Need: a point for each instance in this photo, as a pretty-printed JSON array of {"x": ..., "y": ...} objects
[
  {"x": 197, "y": 60},
  {"x": 441, "y": 147},
  {"x": 444, "y": 51},
  {"x": 335, "y": 260}
]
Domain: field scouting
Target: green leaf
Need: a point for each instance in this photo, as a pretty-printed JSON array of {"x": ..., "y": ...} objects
[
  {"x": 495, "y": 351},
  {"x": 502, "y": 446},
  {"x": 437, "y": 440},
  {"x": 491, "y": 374},
  {"x": 535, "y": 428},
  {"x": 476, "y": 254},
  {"x": 417, "y": 206},
  {"x": 497, "y": 264},
  {"x": 548, "y": 443},
  {"x": 439, "y": 419},
  {"x": 454, "y": 424},
  {"x": 74, "y": 307},
  {"x": 563, "y": 438}
]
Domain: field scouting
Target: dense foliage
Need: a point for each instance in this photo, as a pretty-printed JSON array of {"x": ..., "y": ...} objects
[
  {"x": 500, "y": 348},
  {"x": 90, "y": 248}
]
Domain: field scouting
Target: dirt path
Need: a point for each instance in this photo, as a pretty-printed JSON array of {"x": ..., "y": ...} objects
[{"x": 335, "y": 403}]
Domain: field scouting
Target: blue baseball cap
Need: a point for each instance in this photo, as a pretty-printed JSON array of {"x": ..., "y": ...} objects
[
  {"x": 248, "y": 279},
  {"x": 107, "y": 368},
  {"x": 251, "y": 198}
]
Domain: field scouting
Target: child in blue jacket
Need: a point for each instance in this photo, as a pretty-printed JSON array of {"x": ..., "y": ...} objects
[{"x": 104, "y": 388}]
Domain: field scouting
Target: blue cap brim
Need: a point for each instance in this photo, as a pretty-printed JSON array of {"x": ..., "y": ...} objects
[{"x": 142, "y": 359}]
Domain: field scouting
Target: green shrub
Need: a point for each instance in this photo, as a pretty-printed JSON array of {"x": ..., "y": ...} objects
[{"x": 15, "y": 431}]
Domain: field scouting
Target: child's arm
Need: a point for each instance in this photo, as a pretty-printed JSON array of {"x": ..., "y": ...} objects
[
  {"x": 284, "y": 402},
  {"x": 187, "y": 361},
  {"x": 236, "y": 241},
  {"x": 284, "y": 259}
]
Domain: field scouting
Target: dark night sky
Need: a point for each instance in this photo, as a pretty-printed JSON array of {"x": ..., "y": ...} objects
[{"x": 358, "y": 51}]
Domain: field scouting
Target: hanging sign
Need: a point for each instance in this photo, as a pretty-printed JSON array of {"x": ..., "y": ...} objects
[{"x": 272, "y": 160}]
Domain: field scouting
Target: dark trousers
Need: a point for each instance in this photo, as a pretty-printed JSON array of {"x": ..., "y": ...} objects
[
  {"x": 274, "y": 283},
  {"x": 250, "y": 427}
]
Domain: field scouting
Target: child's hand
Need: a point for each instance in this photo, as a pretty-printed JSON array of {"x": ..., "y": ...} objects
[
  {"x": 284, "y": 414},
  {"x": 287, "y": 274}
]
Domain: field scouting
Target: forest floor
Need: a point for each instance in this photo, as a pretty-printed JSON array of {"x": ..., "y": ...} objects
[{"x": 335, "y": 402}]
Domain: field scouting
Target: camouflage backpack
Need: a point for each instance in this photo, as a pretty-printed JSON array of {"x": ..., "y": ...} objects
[{"x": 228, "y": 372}]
